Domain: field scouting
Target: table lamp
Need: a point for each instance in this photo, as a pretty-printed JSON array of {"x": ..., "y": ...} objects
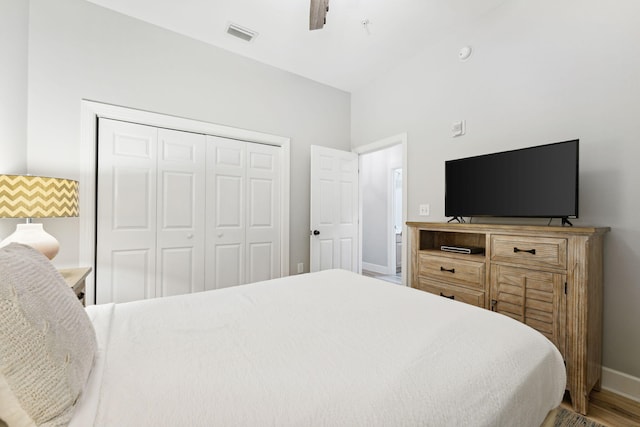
[{"x": 26, "y": 196}]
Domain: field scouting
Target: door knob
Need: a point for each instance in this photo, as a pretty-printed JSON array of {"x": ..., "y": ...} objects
[
  {"x": 189, "y": 236},
  {"x": 316, "y": 232}
]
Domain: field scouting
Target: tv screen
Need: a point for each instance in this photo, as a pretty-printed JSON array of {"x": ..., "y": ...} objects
[{"x": 539, "y": 181}]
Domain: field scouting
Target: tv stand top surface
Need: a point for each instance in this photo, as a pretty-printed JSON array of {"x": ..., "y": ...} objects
[{"x": 508, "y": 228}]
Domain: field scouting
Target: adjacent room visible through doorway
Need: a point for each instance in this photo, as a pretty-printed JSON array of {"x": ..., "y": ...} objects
[{"x": 382, "y": 213}]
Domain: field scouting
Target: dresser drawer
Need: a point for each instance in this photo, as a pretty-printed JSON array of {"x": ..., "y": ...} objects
[
  {"x": 456, "y": 293},
  {"x": 468, "y": 273},
  {"x": 529, "y": 250}
]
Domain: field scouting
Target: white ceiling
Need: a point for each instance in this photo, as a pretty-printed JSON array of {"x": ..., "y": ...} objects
[{"x": 344, "y": 54}]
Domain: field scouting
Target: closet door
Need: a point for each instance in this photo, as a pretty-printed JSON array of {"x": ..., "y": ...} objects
[
  {"x": 180, "y": 212},
  {"x": 263, "y": 212},
  {"x": 126, "y": 214},
  {"x": 226, "y": 183},
  {"x": 243, "y": 212},
  {"x": 151, "y": 190}
]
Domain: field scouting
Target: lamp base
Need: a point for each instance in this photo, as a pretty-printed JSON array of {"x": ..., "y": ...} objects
[{"x": 34, "y": 235}]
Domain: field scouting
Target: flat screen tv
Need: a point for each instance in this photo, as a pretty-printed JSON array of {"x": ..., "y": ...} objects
[{"x": 539, "y": 181}]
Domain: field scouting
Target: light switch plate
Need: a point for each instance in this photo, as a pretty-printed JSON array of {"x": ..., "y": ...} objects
[
  {"x": 458, "y": 128},
  {"x": 424, "y": 210}
]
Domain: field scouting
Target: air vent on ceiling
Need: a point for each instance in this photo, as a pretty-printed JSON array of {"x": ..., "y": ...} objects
[{"x": 241, "y": 33}]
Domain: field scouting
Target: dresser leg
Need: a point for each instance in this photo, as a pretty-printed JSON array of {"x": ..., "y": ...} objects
[
  {"x": 598, "y": 385},
  {"x": 580, "y": 402}
]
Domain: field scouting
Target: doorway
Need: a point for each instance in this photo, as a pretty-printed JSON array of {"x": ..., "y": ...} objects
[
  {"x": 383, "y": 209},
  {"x": 333, "y": 206}
]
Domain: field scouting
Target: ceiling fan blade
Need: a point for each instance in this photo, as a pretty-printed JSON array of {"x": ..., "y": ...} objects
[{"x": 318, "y": 14}]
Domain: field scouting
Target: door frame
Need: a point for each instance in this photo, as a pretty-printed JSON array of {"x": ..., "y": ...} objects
[
  {"x": 91, "y": 111},
  {"x": 392, "y": 216},
  {"x": 399, "y": 139}
]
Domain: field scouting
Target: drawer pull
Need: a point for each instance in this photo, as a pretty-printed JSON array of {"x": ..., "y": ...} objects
[
  {"x": 447, "y": 296},
  {"x": 531, "y": 251},
  {"x": 453, "y": 270}
]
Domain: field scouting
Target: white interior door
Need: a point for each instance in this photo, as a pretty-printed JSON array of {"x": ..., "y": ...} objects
[
  {"x": 226, "y": 183},
  {"x": 126, "y": 223},
  {"x": 181, "y": 212},
  {"x": 263, "y": 212},
  {"x": 334, "y": 209},
  {"x": 151, "y": 192},
  {"x": 243, "y": 212}
]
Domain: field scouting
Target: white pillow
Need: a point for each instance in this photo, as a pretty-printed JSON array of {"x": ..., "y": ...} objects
[{"x": 47, "y": 342}]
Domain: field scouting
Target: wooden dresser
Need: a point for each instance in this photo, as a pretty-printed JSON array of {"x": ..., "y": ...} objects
[{"x": 549, "y": 278}]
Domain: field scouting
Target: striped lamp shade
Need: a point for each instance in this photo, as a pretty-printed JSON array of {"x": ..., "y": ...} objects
[{"x": 25, "y": 196}]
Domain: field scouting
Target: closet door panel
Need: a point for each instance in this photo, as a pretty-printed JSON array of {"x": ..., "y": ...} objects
[
  {"x": 126, "y": 223},
  {"x": 178, "y": 209},
  {"x": 226, "y": 192},
  {"x": 229, "y": 260},
  {"x": 133, "y": 268},
  {"x": 131, "y": 197},
  {"x": 229, "y": 208},
  {"x": 263, "y": 212},
  {"x": 180, "y": 212},
  {"x": 261, "y": 261},
  {"x": 176, "y": 270}
]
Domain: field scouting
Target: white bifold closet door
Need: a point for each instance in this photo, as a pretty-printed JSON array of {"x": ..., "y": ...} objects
[
  {"x": 151, "y": 217},
  {"x": 243, "y": 212},
  {"x": 180, "y": 212}
]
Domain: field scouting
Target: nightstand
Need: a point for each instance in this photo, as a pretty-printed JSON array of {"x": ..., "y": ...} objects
[{"x": 75, "y": 278}]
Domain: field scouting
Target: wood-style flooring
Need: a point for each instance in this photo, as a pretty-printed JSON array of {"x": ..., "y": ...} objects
[
  {"x": 611, "y": 409},
  {"x": 393, "y": 278}
]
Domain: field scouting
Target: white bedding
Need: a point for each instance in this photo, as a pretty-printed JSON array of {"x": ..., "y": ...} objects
[{"x": 322, "y": 349}]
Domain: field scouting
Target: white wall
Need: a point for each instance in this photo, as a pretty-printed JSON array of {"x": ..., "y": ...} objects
[
  {"x": 375, "y": 177},
  {"x": 541, "y": 72},
  {"x": 14, "y": 24},
  {"x": 80, "y": 51}
]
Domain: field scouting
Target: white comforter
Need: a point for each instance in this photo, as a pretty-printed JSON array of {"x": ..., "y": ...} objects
[{"x": 322, "y": 349}]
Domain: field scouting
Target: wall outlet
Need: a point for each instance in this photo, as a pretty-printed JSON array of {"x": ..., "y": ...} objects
[
  {"x": 301, "y": 267},
  {"x": 424, "y": 210}
]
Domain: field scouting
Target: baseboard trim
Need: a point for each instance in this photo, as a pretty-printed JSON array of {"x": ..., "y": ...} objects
[
  {"x": 620, "y": 383},
  {"x": 380, "y": 269}
]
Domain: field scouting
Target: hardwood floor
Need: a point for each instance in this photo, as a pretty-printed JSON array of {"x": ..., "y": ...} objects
[
  {"x": 393, "y": 278},
  {"x": 611, "y": 409}
]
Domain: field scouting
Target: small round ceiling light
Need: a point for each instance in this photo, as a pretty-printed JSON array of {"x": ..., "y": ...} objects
[{"x": 464, "y": 53}]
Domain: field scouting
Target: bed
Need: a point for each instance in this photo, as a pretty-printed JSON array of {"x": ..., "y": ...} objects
[{"x": 323, "y": 349}]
